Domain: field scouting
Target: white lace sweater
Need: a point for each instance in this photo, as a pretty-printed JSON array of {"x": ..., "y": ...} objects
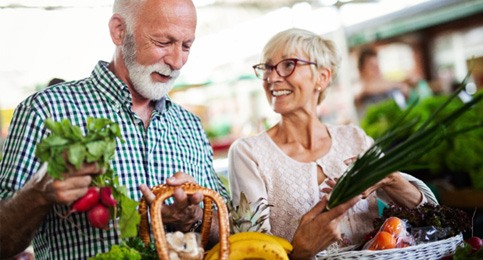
[{"x": 260, "y": 169}]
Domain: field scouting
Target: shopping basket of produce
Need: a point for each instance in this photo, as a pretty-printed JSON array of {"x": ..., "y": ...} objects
[
  {"x": 163, "y": 192},
  {"x": 431, "y": 250},
  {"x": 425, "y": 232}
]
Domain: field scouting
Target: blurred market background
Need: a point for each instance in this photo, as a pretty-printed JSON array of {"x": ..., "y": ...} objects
[{"x": 430, "y": 41}]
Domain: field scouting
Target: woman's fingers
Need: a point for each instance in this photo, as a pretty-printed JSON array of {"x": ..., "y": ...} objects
[
  {"x": 350, "y": 161},
  {"x": 337, "y": 212}
]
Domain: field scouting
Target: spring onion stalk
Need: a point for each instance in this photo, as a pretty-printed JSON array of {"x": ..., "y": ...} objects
[{"x": 389, "y": 153}]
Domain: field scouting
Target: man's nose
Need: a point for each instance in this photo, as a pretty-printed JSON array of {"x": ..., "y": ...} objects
[{"x": 176, "y": 57}]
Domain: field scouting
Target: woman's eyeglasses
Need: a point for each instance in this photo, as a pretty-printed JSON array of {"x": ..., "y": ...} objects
[{"x": 284, "y": 68}]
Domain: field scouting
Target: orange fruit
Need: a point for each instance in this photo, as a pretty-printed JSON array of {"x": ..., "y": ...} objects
[
  {"x": 383, "y": 240},
  {"x": 393, "y": 225}
]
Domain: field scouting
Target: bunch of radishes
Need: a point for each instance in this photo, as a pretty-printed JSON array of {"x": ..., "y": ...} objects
[
  {"x": 97, "y": 202},
  {"x": 67, "y": 146}
]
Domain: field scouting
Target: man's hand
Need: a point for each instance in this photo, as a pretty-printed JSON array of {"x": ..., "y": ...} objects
[
  {"x": 40, "y": 193},
  {"x": 185, "y": 210},
  {"x": 71, "y": 187}
]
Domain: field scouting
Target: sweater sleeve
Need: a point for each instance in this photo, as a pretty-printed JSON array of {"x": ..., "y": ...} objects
[
  {"x": 244, "y": 176},
  {"x": 427, "y": 194}
]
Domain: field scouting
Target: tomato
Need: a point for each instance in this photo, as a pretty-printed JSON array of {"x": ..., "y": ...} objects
[
  {"x": 383, "y": 240},
  {"x": 393, "y": 225}
]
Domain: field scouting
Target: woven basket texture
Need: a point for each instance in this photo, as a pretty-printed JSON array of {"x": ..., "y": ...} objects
[{"x": 432, "y": 250}]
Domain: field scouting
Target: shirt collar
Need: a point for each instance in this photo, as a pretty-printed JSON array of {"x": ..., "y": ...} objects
[{"x": 116, "y": 91}]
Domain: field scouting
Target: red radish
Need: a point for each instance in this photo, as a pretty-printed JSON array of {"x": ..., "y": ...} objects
[
  {"x": 107, "y": 198},
  {"x": 99, "y": 216},
  {"x": 86, "y": 202},
  {"x": 475, "y": 242}
]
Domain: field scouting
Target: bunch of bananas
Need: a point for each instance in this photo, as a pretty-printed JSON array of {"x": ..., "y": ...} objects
[{"x": 248, "y": 245}]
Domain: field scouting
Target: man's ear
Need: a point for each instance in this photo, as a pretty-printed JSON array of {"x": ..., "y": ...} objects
[{"x": 117, "y": 29}]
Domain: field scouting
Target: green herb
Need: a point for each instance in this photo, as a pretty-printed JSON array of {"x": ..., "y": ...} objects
[
  {"x": 132, "y": 248},
  {"x": 118, "y": 252},
  {"x": 391, "y": 152},
  {"x": 68, "y": 145}
]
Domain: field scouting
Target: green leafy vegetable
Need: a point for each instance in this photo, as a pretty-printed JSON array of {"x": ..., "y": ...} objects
[
  {"x": 439, "y": 216},
  {"x": 118, "y": 252},
  {"x": 67, "y": 145},
  {"x": 399, "y": 147},
  {"x": 132, "y": 248}
]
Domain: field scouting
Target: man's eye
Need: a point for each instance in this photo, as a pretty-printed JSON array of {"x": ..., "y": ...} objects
[
  {"x": 161, "y": 44},
  {"x": 186, "y": 47}
]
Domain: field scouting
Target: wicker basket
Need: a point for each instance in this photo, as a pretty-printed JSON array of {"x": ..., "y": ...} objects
[
  {"x": 432, "y": 250},
  {"x": 163, "y": 192}
]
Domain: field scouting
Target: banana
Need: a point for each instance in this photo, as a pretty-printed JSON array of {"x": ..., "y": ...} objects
[
  {"x": 213, "y": 253},
  {"x": 249, "y": 249},
  {"x": 251, "y": 237},
  {"x": 287, "y": 246}
]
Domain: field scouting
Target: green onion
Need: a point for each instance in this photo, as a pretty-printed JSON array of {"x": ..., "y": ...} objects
[{"x": 389, "y": 153}]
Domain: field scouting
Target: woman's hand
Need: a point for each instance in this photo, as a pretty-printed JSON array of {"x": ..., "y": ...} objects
[
  {"x": 388, "y": 181},
  {"x": 185, "y": 210},
  {"x": 318, "y": 229}
]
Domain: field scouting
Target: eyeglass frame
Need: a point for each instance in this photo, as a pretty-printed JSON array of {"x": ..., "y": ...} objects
[{"x": 274, "y": 67}]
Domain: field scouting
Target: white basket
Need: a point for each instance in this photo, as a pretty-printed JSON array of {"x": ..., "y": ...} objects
[{"x": 432, "y": 250}]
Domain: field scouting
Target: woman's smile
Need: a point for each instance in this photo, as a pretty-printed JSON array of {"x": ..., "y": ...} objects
[{"x": 282, "y": 92}]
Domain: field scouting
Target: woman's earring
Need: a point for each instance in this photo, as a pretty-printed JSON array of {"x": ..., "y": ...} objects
[{"x": 319, "y": 88}]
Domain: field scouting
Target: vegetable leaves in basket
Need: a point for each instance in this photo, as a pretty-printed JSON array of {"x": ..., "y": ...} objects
[{"x": 397, "y": 148}]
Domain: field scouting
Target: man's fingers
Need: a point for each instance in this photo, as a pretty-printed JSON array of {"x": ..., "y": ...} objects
[
  {"x": 147, "y": 193},
  {"x": 196, "y": 198},
  {"x": 179, "y": 178},
  {"x": 180, "y": 199}
]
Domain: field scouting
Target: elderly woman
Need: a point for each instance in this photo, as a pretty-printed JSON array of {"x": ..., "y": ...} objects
[{"x": 294, "y": 163}]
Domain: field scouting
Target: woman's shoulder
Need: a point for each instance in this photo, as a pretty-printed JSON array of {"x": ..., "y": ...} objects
[
  {"x": 250, "y": 141},
  {"x": 346, "y": 130}
]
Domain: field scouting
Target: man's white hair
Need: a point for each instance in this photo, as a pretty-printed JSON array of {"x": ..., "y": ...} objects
[{"x": 128, "y": 10}]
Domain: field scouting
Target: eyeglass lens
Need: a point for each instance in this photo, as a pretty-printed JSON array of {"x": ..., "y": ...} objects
[{"x": 284, "y": 68}]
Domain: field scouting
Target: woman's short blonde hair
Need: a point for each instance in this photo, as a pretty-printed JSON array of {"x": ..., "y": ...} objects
[{"x": 299, "y": 41}]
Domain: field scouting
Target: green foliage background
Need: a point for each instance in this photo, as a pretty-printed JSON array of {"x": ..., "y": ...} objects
[{"x": 460, "y": 156}]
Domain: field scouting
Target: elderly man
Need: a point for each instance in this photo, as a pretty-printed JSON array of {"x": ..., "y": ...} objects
[{"x": 164, "y": 142}]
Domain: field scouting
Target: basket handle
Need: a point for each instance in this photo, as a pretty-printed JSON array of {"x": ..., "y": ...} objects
[{"x": 162, "y": 192}]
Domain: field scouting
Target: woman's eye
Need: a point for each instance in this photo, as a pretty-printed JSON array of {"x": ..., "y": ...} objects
[{"x": 288, "y": 64}]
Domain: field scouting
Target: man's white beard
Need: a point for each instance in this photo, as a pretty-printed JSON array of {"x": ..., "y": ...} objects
[{"x": 140, "y": 75}]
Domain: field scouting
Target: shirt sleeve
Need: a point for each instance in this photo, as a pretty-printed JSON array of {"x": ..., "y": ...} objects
[{"x": 19, "y": 162}]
